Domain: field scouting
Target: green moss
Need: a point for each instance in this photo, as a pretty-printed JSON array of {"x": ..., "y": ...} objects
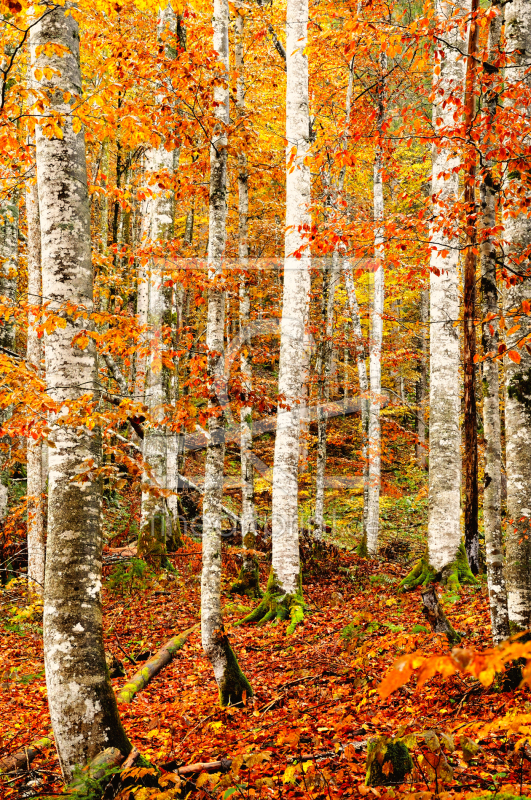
[
  {"x": 277, "y": 605},
  {"x": 248, "y": 581},
  {"x": 361, "y": 549},
  {"x": 453, "y": 576},
  {"x": 234, "y": 687},
  {"x": 388, "y": 762}
]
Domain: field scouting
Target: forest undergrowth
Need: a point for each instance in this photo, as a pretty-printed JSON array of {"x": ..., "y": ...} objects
[{"x": 316, "y": 705}]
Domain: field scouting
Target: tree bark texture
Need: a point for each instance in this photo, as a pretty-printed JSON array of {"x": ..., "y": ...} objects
[
  {"x": 82, "y": 704},
  {"x": 295, "y": 303},
  {"x": 444, "y": 526},
  {"x": 470, "y": 434},
  {"x": 375, "y": 344},
  {"x": 232, "y": 684},
  {"x": 159, "y": 211},
  {"x": 422, "y": 383},
  {"x": 35, "y": 472},
  {"x": 492, "y": 520},
  {"x": 518, "y": 376}
]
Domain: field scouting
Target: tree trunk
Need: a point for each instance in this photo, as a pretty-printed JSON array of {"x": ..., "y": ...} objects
[
  {"x": 155, "y": 521},
  {"x": 517, "y": 376},
  {"x": 232, "y": 683},
  {"x": 470, "y": 457},
  {"x": 375, "y": 352},
  {"x": 9, "y": 221},
  {"x": 364, "y": 394},
  {"x": 444, "y": 526},
  {"x": 82, "y": 704},
  {"x": 324, "y": 368},
  {"x": 35, "y": 486},
  {"x": 248, "y": 578},
  {"x": 422, "y": 383},
  {"x": 491, "y": 391},
  {"x": 295, "y": 303}
]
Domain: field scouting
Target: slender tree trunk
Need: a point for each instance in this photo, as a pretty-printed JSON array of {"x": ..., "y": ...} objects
[
  {"x": 81, "y": 700},
  {"x": 248, "y": 579},
  {"x": 36, "y": 546},
  {"x": 444, "y": 527},
  {"x": 517, "y": 376},
  {"x": 375, "y": 353},
  {"x": 470, "y": 457},
  {"x": 491, "y": 391},
  {"x": 324, "y": 368},
  {"x": 422, "y": 383},
  {"x": 285, "y": 533},
  {"x": 155, "y": 526},
  {"x": 446, "y": 558},
  {"x": 364, "y": 394},
  {"x": 232, "y": 683},
  {"x": 283, "y": 597}
]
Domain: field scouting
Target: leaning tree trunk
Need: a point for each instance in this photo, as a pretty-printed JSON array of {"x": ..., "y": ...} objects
[
  {"x": 446, "y": 557},
  {"x": 492, "y": 520},
  {"x": 248, "y": 581},
  {"x": 232, "y": 683},
  {"x": 517, "y": 375},
  {"x": 375, "y": 345},
  {"x": 36, "y": 479},
  {"x": 283, "y": 596},
  {"x": 81, "y": 700}
]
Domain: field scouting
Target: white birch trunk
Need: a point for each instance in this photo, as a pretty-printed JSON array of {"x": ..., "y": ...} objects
[
  {"x": 518, "y": 395},
  {"x": 492, "y": 519},
  {"x": 444, "y": 525},
  {"x": 35, "y": 485},
  {"x": 232, "y": 684},
  {"x": 9, "y": 219},
  {"x": 285, "y": 533},
  {"x": 248, "y": 516},
  {"x": 159, "y": 223},
  {"x": 363, "y": 384},
  {"x": 81, "y": 700},
  {"x": 375, "y": 343},
  {"x": 324, "y": 370}
]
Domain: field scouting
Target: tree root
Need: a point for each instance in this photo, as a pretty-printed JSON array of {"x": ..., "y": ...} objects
[
  {"x": 233, "y": 687},
  {"x": 361, "y": 549},
  {"x": 276, "y": 605},
  {"x": 453, "y": 575}
]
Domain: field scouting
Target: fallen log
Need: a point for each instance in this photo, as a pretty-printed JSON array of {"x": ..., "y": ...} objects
[
  {"x": 23, "y": 757},
  {"x": 153, "y": 666}
]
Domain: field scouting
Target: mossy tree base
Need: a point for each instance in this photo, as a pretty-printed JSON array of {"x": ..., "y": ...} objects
[
  {"x": 361, "y": 549},
  {"x": 388, "y": 762},
  {"x": 453, "y": 575},
  {"x": 248, "y": 581},
  {"x": 277, "y": 605},
  {"x": 233, "y": 686}
]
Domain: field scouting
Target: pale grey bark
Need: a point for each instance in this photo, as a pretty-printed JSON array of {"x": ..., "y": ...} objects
[
  {"x": 518, "y": 396},
  {"x": 363, "y": 384},
  {"x": 231, "y": 682},
  {"x": 248, "y": 515},
  {"x": 35, "y": 474},
  {"x": 285, "y": 533},
  {"x": 324, "y": 370},
  {"x": 376, "y": 339},
  {"x": 422, "y": 383},
  {"x": 492, "y": 519},
  {"x": 9, "y": 219},
  {"x": 81, "y": 700},
  {"x": 159, "y": 226},
  {"x": 444, "y": 525}
]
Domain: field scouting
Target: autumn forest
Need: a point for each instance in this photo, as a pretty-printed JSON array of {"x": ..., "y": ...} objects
[{"x": 265, "y": 399}]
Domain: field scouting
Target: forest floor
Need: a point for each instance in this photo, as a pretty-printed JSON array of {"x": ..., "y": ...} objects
[{"x": 316, "y": 704}]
